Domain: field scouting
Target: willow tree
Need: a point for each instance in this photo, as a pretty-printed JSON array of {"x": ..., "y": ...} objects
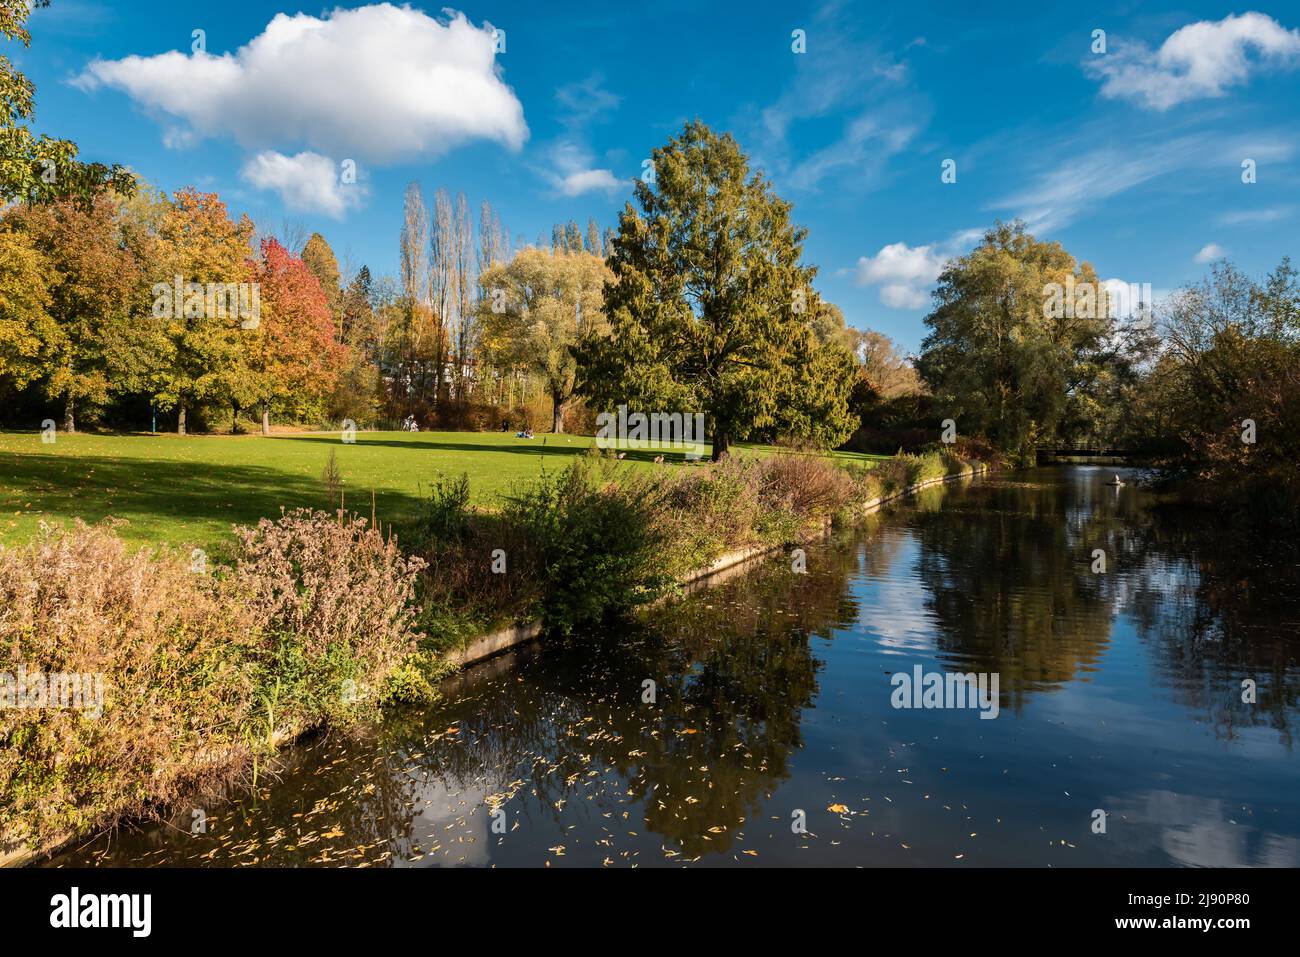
[
  {"x": 535, "y": 309},
  {"x": 709, "y": 303},
  {"x": 1016, "y": 325}
]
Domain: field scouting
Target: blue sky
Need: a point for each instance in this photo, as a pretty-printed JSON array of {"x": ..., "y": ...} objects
[{"x": 1131, "y": 158}]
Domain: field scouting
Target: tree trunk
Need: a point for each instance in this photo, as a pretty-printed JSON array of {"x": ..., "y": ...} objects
[
  {"x": 557, "y": 415},
  {"x": 721, "y": 446},
  {"x": 180, "y": 418},
  {"x": 266, "y": 419},
  {"x": 69, "y": 417}
]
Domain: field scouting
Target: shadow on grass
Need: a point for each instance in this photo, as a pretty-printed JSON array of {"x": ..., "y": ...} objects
[
  {"x": 159, "y": 498},
  {"x": 534, "y": 448}
]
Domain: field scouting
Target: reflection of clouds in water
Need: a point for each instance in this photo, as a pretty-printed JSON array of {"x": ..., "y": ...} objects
[
  {"x": 436, "y": 820},
  {"x": 1175, "y": 580},
  {"x": 892, "y": 604},
  {"x": 1197, "y": 832}
]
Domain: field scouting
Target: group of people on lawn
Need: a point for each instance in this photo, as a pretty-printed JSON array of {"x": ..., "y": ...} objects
[{"x": 410, "y": 425}]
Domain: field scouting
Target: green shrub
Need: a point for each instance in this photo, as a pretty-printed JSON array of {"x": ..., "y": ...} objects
[
  {"x": 595, "y": 538},
  {"x": 445, "y": 516}
]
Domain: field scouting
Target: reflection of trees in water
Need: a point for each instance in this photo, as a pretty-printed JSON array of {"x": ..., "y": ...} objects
[
  {"x": 732, "y": 669},
  {"x": 1007, "y": 565},
  {"x": 1216, "y": 610},
  {"x": 1010, "y": 584}
]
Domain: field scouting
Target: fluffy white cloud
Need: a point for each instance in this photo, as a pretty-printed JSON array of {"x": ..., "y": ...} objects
[
  {"x": 379, "y": 83},
  {"x": 905, "y": 274},
  {"x": 589, "y": 181},
  {"x": 1199, "y": 60},
  {"x": 1210, "y": 252},
  {"x": 572, "y": 172},
  {"x": 307, "y": 183},
  {"x": 1127, "y": 299}
]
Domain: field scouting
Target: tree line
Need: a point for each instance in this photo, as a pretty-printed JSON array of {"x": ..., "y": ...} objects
[{"x": 1202, "y": 384}]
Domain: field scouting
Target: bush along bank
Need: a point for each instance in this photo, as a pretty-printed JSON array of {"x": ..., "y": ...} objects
[{"x": 320, "y": 620}]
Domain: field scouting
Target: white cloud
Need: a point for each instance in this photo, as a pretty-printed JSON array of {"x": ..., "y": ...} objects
[
  {"x": 569, "y": 165},
  {"x": 1210, "y": 252},
  {"x": 590, "y": 181},
  {"x": 1199, "y": 60},
  {"x": 905, "y": 274},
  {"x": 1127, "y": 297},
  {"x": 379, "y": 83},
  {"x": 307, "y": 182},
  {"x": 572, "y": 172}
]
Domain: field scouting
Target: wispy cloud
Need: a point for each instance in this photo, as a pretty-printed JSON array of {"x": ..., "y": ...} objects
[
  {"x": 858, "y": 89},
  {"x": 1061, "y": 193},
  {"x": 570, "y": 164},
  {"x": 1242, "y": 217}
]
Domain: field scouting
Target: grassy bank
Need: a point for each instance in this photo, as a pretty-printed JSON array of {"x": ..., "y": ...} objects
[
  {"x": 317, "y": 619},
  {"x": 191, "y": 490}
]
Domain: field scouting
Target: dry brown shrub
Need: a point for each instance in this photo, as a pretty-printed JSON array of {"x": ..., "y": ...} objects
[{"x": 167, "y": 643}]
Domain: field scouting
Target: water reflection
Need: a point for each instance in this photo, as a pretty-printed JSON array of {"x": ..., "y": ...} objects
[{"x": 1121, "y": 690}]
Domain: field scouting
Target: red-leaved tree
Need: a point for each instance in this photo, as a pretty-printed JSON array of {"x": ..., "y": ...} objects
[{"x": 297, "y": 358}]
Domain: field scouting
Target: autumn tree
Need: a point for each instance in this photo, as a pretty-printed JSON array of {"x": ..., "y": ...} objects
[
  {"x": 91, "y": 277},
  {"x": 535, "y": 309},
  {"x": 889, "y": 373},
  {"x": 295, "y": 358},
  {"x": 199, "y": 243},
  {"x": 324, "y": 265},
  {"x": 358, "y": 390},
  {"x": 710, "y": 303},
  {"x": 25, "y": 322}
]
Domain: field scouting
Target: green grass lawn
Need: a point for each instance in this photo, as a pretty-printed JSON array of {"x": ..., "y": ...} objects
[{"x": 191, "y": 490}]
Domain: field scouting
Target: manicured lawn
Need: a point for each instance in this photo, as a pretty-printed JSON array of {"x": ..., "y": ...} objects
[{"x": 191, "y": 490}]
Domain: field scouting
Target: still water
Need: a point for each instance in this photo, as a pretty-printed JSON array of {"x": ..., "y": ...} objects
[{"x": 1120, "y": 699}]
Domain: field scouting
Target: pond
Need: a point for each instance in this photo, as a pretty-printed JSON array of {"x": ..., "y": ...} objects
[{"x": 1146, "y": 670}]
